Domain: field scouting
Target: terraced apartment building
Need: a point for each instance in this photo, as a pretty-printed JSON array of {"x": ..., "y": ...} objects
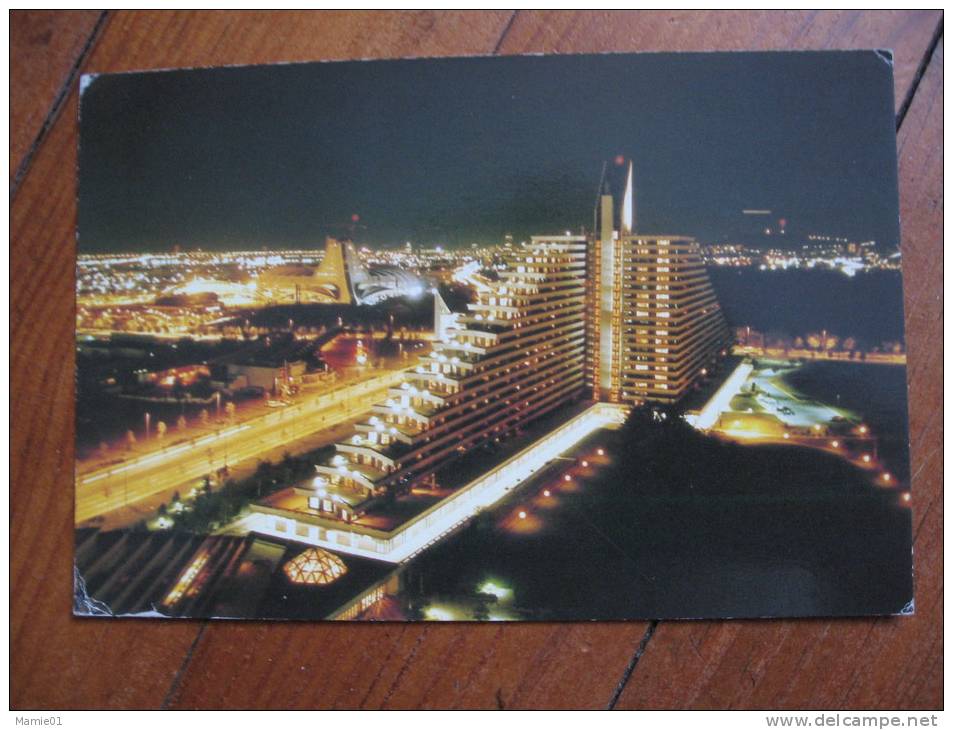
[
  {"x": 612, "y": 316},
  {"x": 517, "y": 353}
]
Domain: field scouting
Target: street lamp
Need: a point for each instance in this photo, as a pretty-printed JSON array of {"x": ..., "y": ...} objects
[{"x": 148, "y": 417}]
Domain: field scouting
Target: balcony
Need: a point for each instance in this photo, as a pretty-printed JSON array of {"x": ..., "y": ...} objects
[{"x": 363, "y": 475}]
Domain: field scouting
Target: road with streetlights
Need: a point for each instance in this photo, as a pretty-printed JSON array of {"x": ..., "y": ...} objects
[{"x": 123, "y": 485}]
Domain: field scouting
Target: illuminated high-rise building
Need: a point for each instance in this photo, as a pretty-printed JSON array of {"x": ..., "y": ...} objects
[
  {"x": 654, "y": 322},
  {"x": 614, "y": 316},
  {"x": 516, "y": 354}
]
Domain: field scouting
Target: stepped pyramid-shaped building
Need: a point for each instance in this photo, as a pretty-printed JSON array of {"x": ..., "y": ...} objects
[
  {"x": 615, "y": 316},
  {"x": 517, "y": 353},
  {"x": 653, "y": 322}
]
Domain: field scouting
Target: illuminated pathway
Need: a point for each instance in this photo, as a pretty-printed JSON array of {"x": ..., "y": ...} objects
[
  {"x": 433, "y": 525},
  {"x": 125, "y": 484}
]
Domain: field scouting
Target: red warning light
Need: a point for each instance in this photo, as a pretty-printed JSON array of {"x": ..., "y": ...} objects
[
  {"x": 355, "y": 218},
  {"x": 619, "y": 160}
]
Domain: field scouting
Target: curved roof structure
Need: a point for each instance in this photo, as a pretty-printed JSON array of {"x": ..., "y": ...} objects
[
  {"x": 315, "y": 567},
  {"x": 385, "y": 282},
  {"x": 341, "y": 278}
]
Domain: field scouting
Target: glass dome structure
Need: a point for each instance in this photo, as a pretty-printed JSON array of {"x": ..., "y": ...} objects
[{"x": 315, "y": 567}]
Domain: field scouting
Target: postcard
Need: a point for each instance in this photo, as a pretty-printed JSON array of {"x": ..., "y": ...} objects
[{"x": 591, "y": 337}]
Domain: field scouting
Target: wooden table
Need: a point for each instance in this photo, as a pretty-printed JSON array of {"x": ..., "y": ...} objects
[{"x": 62, "y": 662}]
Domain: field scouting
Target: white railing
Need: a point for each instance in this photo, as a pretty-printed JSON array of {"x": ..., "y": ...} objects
[{"x": 719, "y": 402}]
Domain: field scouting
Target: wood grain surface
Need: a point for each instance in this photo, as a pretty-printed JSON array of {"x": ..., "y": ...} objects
[
  {"x": 45, "y": 47},
  {"x": 58, "y": 661}
]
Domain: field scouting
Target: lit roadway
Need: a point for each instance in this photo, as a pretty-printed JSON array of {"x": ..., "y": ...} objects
[{"x": 138, "y": 479}]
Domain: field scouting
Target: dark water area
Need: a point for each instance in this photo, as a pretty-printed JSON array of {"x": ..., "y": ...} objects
[
  {"x": 793, "y": 303},
  {"x": 684, "y": 526},
  {"x": 102, "y": 415},
  {"x": 104, "y": 418},
  {"x": 401, "y": 312},
  {"x": 397, "y": 312},
  {"x": 877, "y": 393}
]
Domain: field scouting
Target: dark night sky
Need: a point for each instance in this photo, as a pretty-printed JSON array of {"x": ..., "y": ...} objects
[{"x": 464, "y": 150}]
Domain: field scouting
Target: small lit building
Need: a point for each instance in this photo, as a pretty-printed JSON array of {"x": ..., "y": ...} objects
[{"x": 265, "y": 374}]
